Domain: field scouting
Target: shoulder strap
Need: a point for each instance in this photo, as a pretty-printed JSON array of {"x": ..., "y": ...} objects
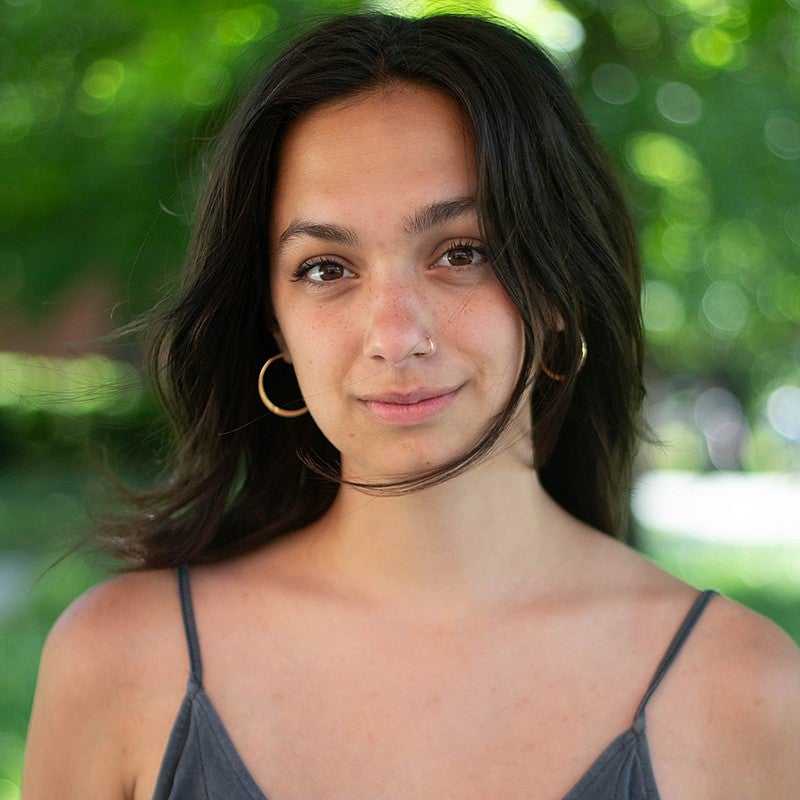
[
  {"x": 689, "y": 621},
  {"x": 189, "y": 625}
]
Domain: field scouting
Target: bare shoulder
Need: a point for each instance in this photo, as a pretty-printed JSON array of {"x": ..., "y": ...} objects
[
  {"x": 738, "y": 684},
  {"x": 758, "y": 667},
  {"x": 759, "y": 642},
  {"x": 107, "y": 632},
  {"x": 107, "y": 663},
  {"x": 725, "y": 722}
]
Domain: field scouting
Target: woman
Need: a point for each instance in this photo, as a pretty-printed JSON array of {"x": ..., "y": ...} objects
[{"x": 403, "y": 585}]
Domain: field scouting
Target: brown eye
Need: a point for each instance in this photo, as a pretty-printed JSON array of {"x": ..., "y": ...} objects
[
  {"x": 461, "y": 256},
  {"x": 326, "y": 272},
  {"x": 329, "y": 272}
]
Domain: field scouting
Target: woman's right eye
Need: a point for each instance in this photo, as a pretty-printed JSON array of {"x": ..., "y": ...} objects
[{"x": 321, "y": 272}]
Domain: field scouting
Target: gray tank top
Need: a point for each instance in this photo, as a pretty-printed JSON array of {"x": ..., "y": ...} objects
[{"x": 201, "y": 763}]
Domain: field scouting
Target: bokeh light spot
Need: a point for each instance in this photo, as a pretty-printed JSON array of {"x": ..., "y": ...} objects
[
  {"x": 238, "y": 26},
  {"x": 725, "y": 308},
  {"x": 679, "y": 103},
  {"x": 712, "y": 46},
  {"x": 738, "y": 248},
  {"x": 103, "y": 79},
  {"x": 662, "y": 309},
  {"x": 662, "y": 160},
  {"x": 707, "y": 8},
  {"x": 767, "y": 295},
  {"x": 688, "y": 206},
  {"x": 636, "y": 26},
  {"x": 782, "y": 133},
  {"x": 68, "y": 387},
  {"x": 614, "y": 83},
  {"x": 16, "y": 114},
  {"x": 547, "y": 21},
  {"x": 679, "y": 249},
  {"x": 791, "y": 222},
  {"x": 720, "y": 417},
  {"x": 787, "y": 297},
  {"x": 783, "y": 411}
]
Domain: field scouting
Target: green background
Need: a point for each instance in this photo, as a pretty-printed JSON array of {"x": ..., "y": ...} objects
[{"x": 107, "y": 114}]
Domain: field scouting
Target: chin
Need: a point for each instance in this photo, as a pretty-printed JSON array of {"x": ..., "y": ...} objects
[{"x": 399, "y": 468}]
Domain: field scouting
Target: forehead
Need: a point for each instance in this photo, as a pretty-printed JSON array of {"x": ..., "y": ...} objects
[{"x": 396, "y": 145}]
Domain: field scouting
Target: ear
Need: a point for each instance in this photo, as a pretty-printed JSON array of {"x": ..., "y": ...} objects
[{"x": 560, "y": 326}]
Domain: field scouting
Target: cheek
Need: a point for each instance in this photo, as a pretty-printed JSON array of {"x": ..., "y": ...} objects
[
  {"x": 319, "y": 349},
  {"x": 492, "y": 324},
  {"x": 509, "y": 321}
]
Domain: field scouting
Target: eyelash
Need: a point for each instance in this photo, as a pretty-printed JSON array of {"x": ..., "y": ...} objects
[
  {"x": 307, "y": 266},
  {"x": 461, "y": 244}
]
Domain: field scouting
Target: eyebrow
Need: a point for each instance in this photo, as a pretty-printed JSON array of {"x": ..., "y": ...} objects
[
  {"x": 427, "y": 218},
  {"x": 436, "y": 214},
  {"x": 337, "y": 234}
]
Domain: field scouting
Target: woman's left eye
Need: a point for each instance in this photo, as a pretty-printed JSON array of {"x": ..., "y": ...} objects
[{"x": 462, "y": 256}]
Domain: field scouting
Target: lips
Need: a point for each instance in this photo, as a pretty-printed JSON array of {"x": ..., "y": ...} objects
[
  {"x": 409, "y": 407},
  {"x": 406, "y": 397}
]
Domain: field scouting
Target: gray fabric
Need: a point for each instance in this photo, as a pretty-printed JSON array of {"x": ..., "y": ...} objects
[{"x": 201, "y": 763}]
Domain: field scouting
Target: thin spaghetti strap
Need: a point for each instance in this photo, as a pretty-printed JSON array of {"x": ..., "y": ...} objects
[
  {"x": 701, "y": 601},
  {"x": 196, "y": 665}
]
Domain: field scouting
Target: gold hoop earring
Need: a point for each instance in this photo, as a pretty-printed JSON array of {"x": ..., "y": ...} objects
[
  {"x": 559, "y": 376},
  {"x": 277, "y": 410}
]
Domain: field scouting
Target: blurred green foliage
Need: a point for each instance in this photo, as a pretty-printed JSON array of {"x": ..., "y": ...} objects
[
  {"x": 108, "y": 110},
  {"x": 103, "y": 107},
  {"x": 698, "y": 101}
]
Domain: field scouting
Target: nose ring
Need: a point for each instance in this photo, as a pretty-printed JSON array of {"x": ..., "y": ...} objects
[{"x": 431, "y": 348}]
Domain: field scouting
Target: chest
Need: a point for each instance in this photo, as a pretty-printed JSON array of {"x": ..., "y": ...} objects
[
  {"x": 428, "y": 717},
  {"x": 318, "y": 707}
]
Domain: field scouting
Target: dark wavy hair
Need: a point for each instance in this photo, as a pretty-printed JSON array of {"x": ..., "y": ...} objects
[{"x": 560, "y": 238}]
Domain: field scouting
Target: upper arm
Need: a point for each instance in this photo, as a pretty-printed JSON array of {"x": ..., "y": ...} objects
[
  {"x": 111, "y": 678},
  {"x": 73, "y": 747},
  {"x": 773, "y": 721},
  {"x": 758, "y": 701},
  {"x": 726, "y": 722}
]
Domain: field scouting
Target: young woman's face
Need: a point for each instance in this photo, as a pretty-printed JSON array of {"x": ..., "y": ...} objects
[{"x": 404, "y": 343}]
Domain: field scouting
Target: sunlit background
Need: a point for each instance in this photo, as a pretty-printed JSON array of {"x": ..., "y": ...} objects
[{"x": 107, "y": 113}]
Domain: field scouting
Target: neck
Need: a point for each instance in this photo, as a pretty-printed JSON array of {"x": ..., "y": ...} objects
[{"x": 475, "y": 541}]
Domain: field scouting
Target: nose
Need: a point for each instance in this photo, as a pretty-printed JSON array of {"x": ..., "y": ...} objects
[{"x": 398, "y": 326}]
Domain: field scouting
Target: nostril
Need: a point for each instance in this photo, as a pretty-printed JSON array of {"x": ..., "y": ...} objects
[{"x": 397, "y": 320}]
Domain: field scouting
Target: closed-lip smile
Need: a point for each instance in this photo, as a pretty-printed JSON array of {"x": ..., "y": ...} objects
[{"x": 408, "y": 407}]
